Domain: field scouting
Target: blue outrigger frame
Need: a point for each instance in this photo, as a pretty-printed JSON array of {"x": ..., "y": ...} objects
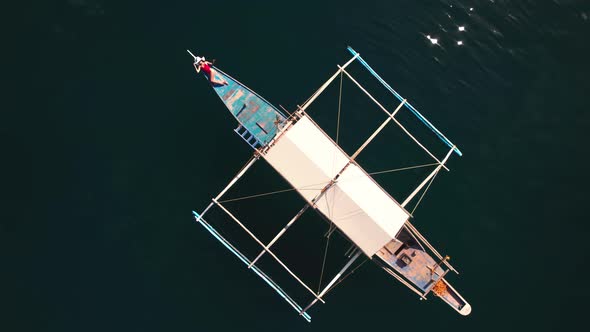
[
  {"x": 254, "y": 268},
  {"x": 406, "y": 104}
]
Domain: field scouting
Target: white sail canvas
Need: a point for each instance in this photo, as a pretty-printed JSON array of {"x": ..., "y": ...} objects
[{"x": 308, "y": 159}]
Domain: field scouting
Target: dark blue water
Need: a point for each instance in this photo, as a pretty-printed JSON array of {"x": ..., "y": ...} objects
[{"x": 119, "y": 140}]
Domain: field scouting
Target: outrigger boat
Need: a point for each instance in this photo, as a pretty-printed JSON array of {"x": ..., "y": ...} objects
[{"x": 369, "y": 217}]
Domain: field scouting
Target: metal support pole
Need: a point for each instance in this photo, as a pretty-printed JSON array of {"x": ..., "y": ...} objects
[
  {"x": 230, "y": 184},
  {"x": 327, "y": 288},
  {"x": 238, "y": 176},
  {"x": 279, "y": 234},
  {"x": 441, "y": 164},
  {"x": 325, "y": 85},
  {"x": 389, "y": 118}
]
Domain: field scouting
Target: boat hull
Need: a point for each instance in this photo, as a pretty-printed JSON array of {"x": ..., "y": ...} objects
[
  {"x": 259, "y": 117},
  {"x": 406, "y": 256}
]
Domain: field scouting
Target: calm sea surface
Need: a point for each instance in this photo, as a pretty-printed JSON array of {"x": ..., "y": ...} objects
[{"x": 119, "y": 140}]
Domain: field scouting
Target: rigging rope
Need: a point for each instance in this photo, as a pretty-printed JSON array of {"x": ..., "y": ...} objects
[
  {"x": 263, "y": 194},
  {"x": 402, "y": 169},
  {"x": 423, "y": 193},
  {"x": 323, "y": 183},
  {"x": 324, "y": 260},
  {"x": 348, "y": 274},
  {"x": 339, "y": 105}
]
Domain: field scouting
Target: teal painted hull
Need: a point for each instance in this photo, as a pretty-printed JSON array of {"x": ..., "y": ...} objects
[{"x": 259, "y": 117}]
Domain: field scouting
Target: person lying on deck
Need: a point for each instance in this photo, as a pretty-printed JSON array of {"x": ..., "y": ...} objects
[{"x": 202, "y": 64}]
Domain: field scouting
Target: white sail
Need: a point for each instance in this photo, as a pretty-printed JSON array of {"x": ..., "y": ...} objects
[{"x": 355, "y": 203}]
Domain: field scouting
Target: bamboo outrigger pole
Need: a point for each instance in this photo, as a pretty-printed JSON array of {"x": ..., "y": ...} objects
[
  {"x": 433, "y": 173},
  {"x": 249, "y": 164},
  {"x": 325, "y": 85},
  {"x": 267, "y": 250},
  {"x": 313, "y": 202},
  {"x": 327, "y": 288},
  {"x": 391, "y": 116}
]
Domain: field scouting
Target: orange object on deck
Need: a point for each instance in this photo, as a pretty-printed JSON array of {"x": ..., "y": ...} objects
[{"x": 440, "y": 288}]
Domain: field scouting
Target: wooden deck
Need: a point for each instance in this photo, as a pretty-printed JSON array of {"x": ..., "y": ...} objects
[
  {"x": 409, "y": 259},
  {"x": 412, "y": 262}
]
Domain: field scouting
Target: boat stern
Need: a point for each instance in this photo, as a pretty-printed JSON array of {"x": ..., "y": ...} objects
[
  {"x": 466, "y": 310},
  {"x": 451, "y": 297},
  {"x": 407, "y": 261}
]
